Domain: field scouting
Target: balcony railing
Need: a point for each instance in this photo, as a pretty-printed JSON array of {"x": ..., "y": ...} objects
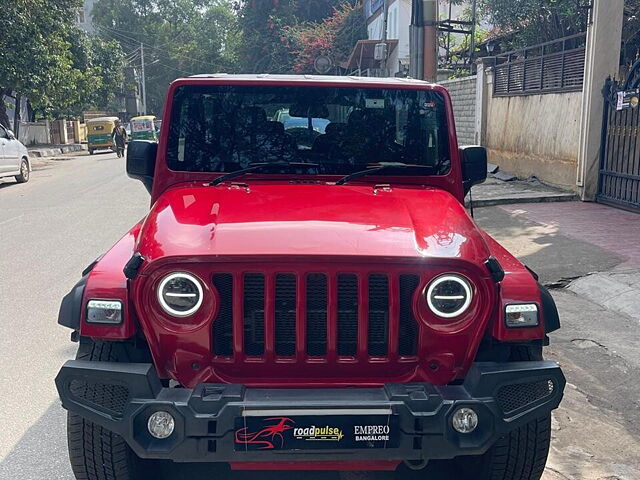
[{"x": 551, "y": 67}]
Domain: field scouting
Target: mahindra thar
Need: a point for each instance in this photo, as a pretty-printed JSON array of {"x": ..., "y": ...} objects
[{"x": 308, "y": 292}]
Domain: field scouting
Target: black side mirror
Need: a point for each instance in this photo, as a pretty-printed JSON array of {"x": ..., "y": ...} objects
[
  {"x": 474, "y": 166},
  {"x": 141, "y": 161}
]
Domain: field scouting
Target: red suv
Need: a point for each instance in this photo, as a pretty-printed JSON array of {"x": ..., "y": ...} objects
[{"x": 325, "y": 304}]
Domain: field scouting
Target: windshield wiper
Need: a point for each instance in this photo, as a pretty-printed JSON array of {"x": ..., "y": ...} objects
[
  {"x": 379, "y": 167},
  {"x": 256, "y": 167}
]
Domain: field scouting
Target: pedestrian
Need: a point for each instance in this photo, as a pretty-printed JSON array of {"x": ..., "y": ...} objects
[{"x": 119, "y": 136}]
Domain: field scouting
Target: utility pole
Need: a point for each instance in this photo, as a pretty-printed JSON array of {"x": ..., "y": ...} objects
[
  {"x": 430, "y": 22},
  {"x": 424, "y": 40},
  {"x": 385, "y": 24},
  {"x": 474, "y": 20},
  {"x": 144, "y": 82}
]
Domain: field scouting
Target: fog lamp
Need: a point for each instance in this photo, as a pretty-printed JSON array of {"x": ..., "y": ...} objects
[
  {"x": 465, "y": 420},
  {"x": 521, "y": 316},
  {"x": 161, "y": 425},
  {"x": 104, "y": 311}
]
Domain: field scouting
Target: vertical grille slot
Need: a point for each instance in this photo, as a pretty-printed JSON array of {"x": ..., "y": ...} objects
[
  {"x": 316, "y": 315},
  {"x": 285, "y": 315},
  {"x": 254, "y": 314},
  {"x": 223, "y": 325},
  {"x": 408, "y": 332},
  {"x": 378, "y": 315},
  {"x": 347, "y": 314}
]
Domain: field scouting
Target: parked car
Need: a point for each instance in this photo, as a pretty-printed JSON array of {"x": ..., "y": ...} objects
[
  {"x": 14, "y": 157},
  {"x": 291, "y": 307}
]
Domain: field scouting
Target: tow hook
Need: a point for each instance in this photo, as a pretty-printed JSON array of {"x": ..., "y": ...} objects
[{"x": 416, "y": 464}]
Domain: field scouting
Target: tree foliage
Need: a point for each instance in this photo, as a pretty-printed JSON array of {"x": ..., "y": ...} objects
[
  {"x": 279, "y": 36},
  {"x": 48, "y": 60},
  {"x": 180, "y": 38},
  {"x": 334, "y": 37},
  {"x": 534, "y": 21}
]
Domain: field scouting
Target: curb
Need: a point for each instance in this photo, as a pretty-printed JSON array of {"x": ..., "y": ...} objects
[
  {"x": 57, "y": 150},
  {"x": 492, "y": 202}
]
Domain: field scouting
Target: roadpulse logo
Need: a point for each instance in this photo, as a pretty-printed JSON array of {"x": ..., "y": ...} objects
[{"x": 330, "y": 434}]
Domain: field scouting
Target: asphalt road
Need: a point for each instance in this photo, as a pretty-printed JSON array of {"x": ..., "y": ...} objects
[{"x": 74, "y": 208}]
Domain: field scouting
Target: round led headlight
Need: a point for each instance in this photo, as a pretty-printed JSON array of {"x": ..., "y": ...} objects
[
  {"x": 449, "y": 296},
  {"x": 180, "y": 294}
]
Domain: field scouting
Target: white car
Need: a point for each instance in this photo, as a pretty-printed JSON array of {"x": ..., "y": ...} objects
[{"x": 14, "y": 157}]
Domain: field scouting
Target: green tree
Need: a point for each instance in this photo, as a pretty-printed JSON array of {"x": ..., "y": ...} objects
[
  {"x": 534, "y": 22},
  {"x": 59, "y": 68},
  {"x": 35, "y": 59},
  {"x": 180, "y": 38},
  {"x": 266, "y": 27}
]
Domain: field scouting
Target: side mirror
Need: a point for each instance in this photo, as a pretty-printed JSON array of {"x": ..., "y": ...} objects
[
  {"x": 474, "y": 166},
  {"x": 11, "y": 135},
  {"x": 141, "y": 161}
]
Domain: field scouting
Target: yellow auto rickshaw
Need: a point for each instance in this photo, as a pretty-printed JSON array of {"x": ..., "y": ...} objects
[
  {"x": 144, "y": 128},
  {"x": 99, "y": 133}
]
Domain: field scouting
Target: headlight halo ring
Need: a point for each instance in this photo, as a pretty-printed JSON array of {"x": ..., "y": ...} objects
[
  {"x": 168, "y": 309},
  {"x": 449, "y": 277}
]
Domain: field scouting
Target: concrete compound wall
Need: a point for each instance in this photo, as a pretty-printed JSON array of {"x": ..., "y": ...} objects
[
  {"x": 535, "y": 135},
  {"x": 34, "y": 133},
  {"x": 463, "y": 96}
]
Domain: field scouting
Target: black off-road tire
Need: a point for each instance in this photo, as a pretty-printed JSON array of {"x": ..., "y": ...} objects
[
  {"x": 519, "y": 455},
  {"x": 24, "y": 175},
  {"x": 95, "y": 452},
  {"x": 522, "y": 453}
]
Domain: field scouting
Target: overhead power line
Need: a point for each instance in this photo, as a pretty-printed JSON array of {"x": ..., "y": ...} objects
[{"x": 152, "y": 47}]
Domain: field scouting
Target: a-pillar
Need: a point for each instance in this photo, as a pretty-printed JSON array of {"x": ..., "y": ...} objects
[{"x": 604, "y": 39}]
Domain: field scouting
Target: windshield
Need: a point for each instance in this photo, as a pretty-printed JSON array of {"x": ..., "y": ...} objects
[{"x": 227, "y": 128}]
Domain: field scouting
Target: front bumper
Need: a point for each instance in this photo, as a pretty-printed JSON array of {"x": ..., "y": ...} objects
[{"x": 121, "y": 397}]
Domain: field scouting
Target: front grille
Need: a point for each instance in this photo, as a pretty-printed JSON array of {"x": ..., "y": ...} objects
[
  {"x": 285, "y": 315},
  {"x": 516, "y": 396},
  {"x": 317, "y": 310},
  {"x": 316, "y": 315},
  {"x": 223, "y": 326},
  {"x": 347, "y": 315},
  {"x": 110, "y": 397},
  {"x": 253, "y": 314}
]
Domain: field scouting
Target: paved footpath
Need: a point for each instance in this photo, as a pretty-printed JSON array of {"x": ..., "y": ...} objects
[{"x": 75, "y": 207}]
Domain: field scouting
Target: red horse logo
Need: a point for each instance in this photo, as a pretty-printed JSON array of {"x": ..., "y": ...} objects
[{"x": 268, "y": 435}]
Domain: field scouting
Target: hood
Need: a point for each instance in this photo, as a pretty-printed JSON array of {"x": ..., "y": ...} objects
[{"x": 278, "y": 219}]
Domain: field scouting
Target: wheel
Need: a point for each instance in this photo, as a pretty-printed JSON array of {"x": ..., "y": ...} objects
[
  {"x": 24, "y": 172},
  {"x": 522, "y": 453},
  {"x": 95, "y": 452}
]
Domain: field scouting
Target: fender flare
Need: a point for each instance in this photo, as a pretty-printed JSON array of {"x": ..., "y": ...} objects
[
  {"x": 70, "y": 311},
  {"x": 549, "y": 310}
]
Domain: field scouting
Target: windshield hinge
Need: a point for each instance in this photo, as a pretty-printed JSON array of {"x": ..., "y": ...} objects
[{"x": 385, "y": 187}]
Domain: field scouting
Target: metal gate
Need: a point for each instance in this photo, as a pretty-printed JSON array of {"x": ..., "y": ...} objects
[{"x": 619, "y": 181}]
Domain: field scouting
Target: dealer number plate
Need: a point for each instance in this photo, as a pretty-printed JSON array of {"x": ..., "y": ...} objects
[{"x": 316, "y": 432}]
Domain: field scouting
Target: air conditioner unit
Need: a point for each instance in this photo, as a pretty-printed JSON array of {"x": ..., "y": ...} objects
[{"x": 381, "y": 51}]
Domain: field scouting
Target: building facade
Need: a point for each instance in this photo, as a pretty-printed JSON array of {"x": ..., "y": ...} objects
[{"x": 85, "y": 18}]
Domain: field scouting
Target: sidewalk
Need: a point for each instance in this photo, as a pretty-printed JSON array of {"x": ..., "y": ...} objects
[
  {"x": 590, "y": 255},
  {"x": 498, "y": 192},
  {"x": 53, "y": 150}
]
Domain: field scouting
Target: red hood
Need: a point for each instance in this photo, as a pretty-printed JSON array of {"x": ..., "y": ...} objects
[{"x": 321, "y": 220}]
